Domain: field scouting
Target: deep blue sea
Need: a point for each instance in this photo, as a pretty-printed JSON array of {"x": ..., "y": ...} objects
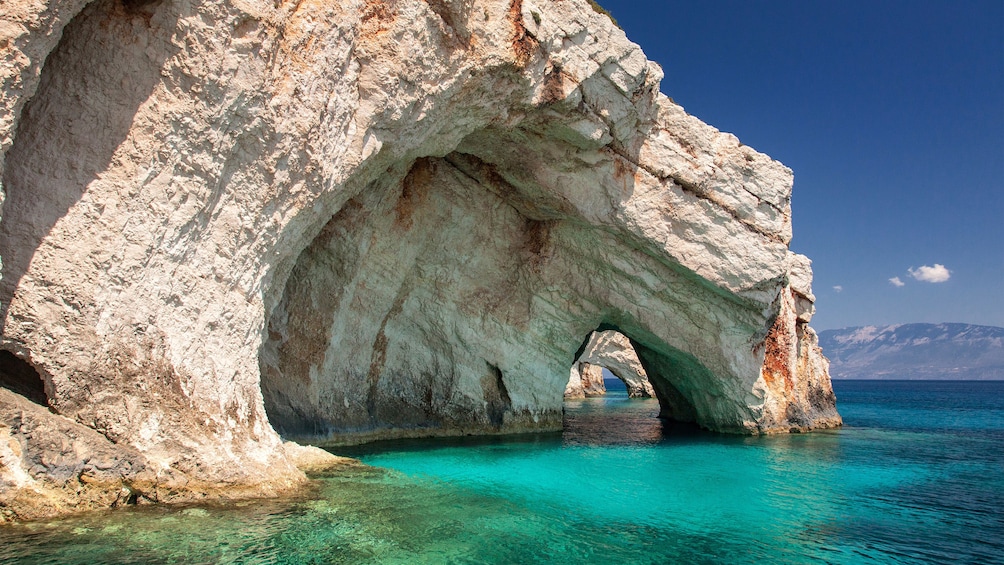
[{"x": 915, "y": 476}]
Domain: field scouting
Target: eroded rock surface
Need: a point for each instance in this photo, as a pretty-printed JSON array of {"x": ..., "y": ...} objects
[
  {"x": 360, "y": 219},
  {"x": 585, "y": 380}
]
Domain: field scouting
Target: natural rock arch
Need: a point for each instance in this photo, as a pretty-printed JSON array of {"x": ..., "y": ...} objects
[
  {"x": 195, "y": 187},
  {"x": 613, "y": 351},
  {"x": 426, "y": 298}
]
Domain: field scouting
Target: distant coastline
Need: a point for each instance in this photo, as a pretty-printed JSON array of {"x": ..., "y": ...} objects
[
  {"x": 921, "y": 379},
  {"x": 916, "y": 352}
]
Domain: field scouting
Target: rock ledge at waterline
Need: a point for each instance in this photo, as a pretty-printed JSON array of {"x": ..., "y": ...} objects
[{"x": 340, "y": 220}]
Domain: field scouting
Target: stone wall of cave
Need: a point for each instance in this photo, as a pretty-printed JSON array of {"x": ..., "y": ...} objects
[
  {"x": 450, "y": 301},
  {"x": 378, "y": 226}
]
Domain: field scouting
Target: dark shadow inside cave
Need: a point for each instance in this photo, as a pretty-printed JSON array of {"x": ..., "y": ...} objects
[{"x": 18, "y": 376}]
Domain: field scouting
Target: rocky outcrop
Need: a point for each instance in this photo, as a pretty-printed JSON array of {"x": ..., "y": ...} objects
[
  {"x": 370, "y": 219},
  {"x": 613, "y": 351},
  {"x": 50, "y": 464},
  {"x": 585, "y": 380}
]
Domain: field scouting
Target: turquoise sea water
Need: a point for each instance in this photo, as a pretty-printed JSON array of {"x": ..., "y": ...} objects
[{"x": 916, "y": 476}]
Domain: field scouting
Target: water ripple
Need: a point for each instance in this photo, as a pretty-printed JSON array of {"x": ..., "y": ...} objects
[{"x": 911, "y": 479}]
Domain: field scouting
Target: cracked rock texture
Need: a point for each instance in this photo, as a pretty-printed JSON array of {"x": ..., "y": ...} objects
[
  {"x": 613, "y": 351},
  {"x": 371, "y": 218}
]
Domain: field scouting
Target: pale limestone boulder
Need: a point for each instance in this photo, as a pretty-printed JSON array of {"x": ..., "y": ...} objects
[
  {"x": 574, "y": 388},
  {"x": 592, "y": 380},
  {"x": 308, "y": 458},
  {"x": 371, "y": 219},
  {"x": 50, "y": 464},
  {"x": 585, "y": 380}
]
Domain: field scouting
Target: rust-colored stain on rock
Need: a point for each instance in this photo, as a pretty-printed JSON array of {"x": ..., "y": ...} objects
[
  {"x": 523, "y": 44},
  {"x": 776, "y": 367}
]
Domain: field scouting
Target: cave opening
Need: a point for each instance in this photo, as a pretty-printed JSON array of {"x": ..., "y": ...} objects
[
  {"x": 410, "y": 314},
  {"x": 448, "y": 296},
  {"x": 608, "y": 399},
  {"x": 19, "y": 377},
  {"x": 607, "y": 356},
  {"x": 669, "y": 380}
]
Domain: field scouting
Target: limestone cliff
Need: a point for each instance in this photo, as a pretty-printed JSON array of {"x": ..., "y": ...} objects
[{"x": 368, "y": 218}]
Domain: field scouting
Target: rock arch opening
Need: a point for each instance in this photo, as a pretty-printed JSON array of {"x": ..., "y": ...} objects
[
  {"x": 684, "y": 387},
  {"x": 409, "y": 313},
  {"x": 445, "y": 300},
  {"x": 448, "y": 289},
  {"x": 610, "y": 350},
  {"x": 19, "y": 377},
  {"x": 447, "y": 295}
]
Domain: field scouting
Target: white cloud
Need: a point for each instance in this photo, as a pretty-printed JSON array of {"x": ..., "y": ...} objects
[
  {"x": 896, "y": 282},
  {"x": 936, "y": 274},
  {"x": 838, "y": 288}
]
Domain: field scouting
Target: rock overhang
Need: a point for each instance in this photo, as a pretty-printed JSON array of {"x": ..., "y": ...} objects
[{"x": 252, "y": 146}]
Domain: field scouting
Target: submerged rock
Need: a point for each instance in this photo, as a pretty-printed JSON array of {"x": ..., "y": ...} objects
[{"x": 363, "y": 219}]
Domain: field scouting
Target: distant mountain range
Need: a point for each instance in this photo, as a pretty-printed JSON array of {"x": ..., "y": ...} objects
[{"x": 915, "y": 351}]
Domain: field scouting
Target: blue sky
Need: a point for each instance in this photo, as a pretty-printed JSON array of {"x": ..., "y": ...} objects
[{"x": 891, "y": 115}]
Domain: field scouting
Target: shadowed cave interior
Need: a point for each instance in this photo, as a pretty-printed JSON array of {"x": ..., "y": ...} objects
[
  {"x": 450, "y": 302},
  {"x": 18, "y": 376}
]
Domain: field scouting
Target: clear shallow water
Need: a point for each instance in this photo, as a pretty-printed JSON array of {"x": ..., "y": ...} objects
[{"x": 917, "y": 475}]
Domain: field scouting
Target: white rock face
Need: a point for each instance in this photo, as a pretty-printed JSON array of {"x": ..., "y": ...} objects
[
  {"x": 613, "y": 351},
  {"x": 371, "y": 219},
  {"x": 585, "y": 380}
]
